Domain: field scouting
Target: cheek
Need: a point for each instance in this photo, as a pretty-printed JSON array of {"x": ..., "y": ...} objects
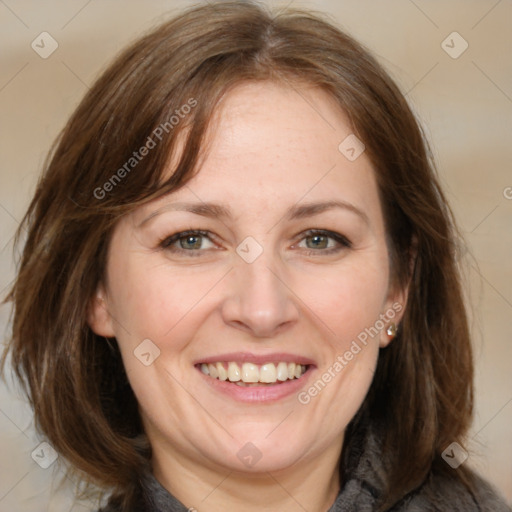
[
  {"x": 151, "y": 300},
  {"x": 347, "y": 300}
]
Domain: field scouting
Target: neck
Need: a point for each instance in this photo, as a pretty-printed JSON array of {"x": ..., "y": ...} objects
[{"x": 311, "y": 485}]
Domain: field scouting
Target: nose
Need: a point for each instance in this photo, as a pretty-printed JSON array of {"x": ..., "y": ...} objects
[{"x": 258, "y": 301}]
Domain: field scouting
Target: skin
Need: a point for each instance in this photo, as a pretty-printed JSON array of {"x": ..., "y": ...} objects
[{"x": 273, "y": 148}]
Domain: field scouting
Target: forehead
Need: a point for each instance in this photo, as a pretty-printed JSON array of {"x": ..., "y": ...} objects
[
  {"x": 272, "y": 144},
  {"x": 274, "y": 123}
]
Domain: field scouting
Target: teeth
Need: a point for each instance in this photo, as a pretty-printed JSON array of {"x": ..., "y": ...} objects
[
  {"x": 251, "y": 374},
  {"x": 223, "y": 374},
  {"x": 282, "y": 371},
  {"x": 268, "y": 373},
  {"x": 213, "y": 371},
  {"x": 234, "y": 373}
]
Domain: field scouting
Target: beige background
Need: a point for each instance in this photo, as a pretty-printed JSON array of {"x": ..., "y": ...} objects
[{"x": 465, "y": 104}]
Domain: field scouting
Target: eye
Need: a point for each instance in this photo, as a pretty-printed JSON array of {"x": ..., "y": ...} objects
[
  {"x": 319, "y": 242},
  {"x": 322, "y": 241},
  {"x": 188, "y": 241}
]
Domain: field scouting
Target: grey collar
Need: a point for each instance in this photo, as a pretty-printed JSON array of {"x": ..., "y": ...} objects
[{"x": 363, "y": 477}]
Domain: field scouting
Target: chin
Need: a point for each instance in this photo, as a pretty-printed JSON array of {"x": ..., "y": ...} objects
[{"x": 261, "y": 452}]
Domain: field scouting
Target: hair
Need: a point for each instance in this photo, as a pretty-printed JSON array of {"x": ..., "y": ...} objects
[{"x": 422, "y": 392}]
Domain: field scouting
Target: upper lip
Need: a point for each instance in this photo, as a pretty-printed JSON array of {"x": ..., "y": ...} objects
[{"x": 259, "y": 359}]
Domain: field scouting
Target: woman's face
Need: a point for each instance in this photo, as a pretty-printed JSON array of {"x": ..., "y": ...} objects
[{"x": 269, "y": 265}]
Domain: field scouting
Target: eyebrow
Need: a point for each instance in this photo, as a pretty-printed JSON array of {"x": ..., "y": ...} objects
[
  {"x": 215, "y": 210},
  {"x": 311, "y": 209},
  {"x": 202, "y": 209}
]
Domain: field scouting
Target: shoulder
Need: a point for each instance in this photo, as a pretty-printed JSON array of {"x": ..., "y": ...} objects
[
  {"x": 443, "y": 492},
  {"x": 443, "y": 489}
]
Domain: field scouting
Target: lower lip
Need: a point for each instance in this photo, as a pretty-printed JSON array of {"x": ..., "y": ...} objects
[{"x": 253, "y": 394}]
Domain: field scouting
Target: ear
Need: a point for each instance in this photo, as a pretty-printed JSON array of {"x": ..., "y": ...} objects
[
  {"x": 98, "y": 316},
  {"x": 397, "y": 301},
  {"x": 392, "y": 315}
]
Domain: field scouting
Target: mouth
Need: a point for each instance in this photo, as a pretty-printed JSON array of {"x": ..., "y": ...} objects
[
  {"x": 246, "y": 374},
  {"x": 256, "y": 378}
]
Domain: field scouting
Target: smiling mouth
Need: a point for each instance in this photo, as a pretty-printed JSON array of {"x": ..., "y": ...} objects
[{"x": 250, "y": 374}]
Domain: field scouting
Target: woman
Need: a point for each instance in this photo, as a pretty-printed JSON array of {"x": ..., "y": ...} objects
[{"x": 239, "y": 287}]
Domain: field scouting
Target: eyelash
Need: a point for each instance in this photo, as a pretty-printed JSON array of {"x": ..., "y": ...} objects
[
  {"x": 342, "y": 241},
  {"x": 167, "y": 243}
]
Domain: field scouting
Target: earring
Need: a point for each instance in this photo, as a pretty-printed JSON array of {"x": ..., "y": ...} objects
[{"x": 391, "y": 330}]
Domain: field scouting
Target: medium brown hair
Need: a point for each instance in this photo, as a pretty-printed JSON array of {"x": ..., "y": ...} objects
[{"x": 422, "y": 391}]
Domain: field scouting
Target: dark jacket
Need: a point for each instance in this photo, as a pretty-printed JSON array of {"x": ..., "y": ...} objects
[{"x": 361, "y": 489}]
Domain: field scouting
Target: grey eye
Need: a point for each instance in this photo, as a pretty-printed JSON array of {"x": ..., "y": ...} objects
[
  {"x": 191, "y": 242},
  {"x": 318, "y": 241}
]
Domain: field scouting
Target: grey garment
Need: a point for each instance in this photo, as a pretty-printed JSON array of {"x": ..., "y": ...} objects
[
  {"x": 440, "y": 492},
  {"x": 364, "y": 479},
  {"x": 436, "y": 495}
]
